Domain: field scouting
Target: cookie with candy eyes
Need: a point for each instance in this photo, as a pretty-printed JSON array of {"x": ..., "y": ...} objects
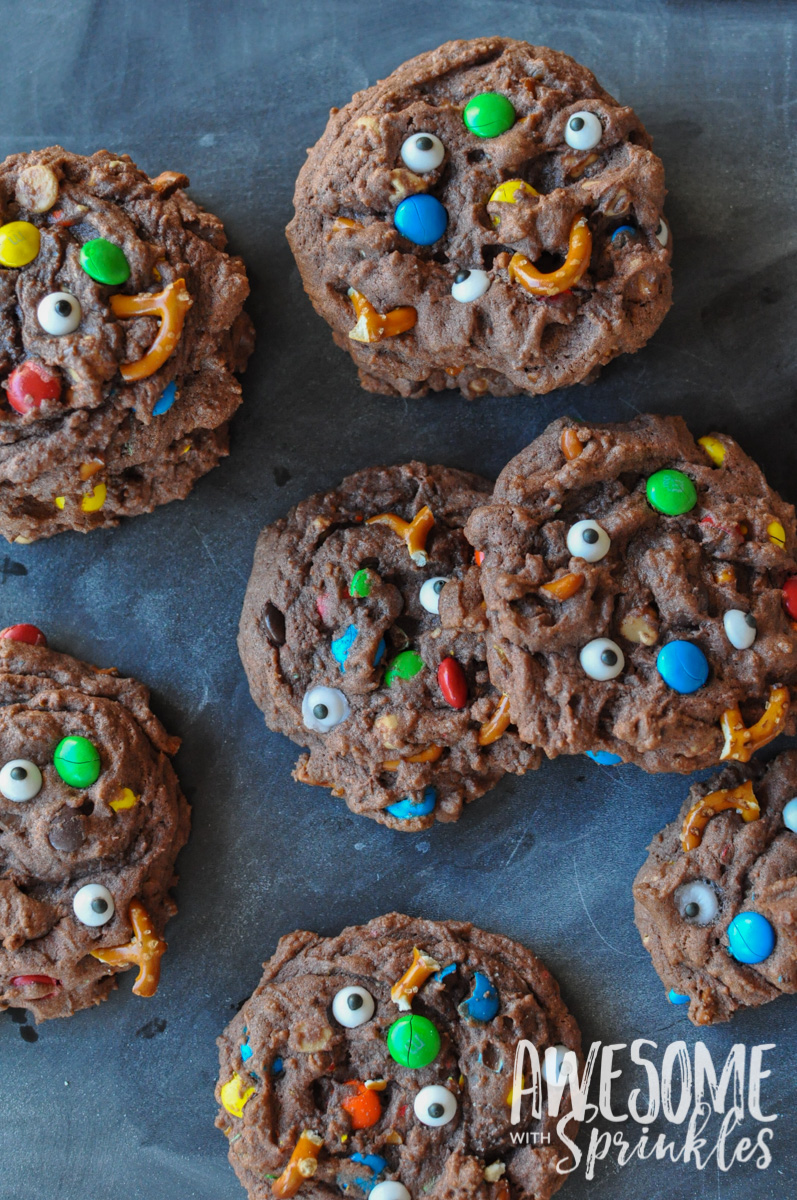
[
  {"x": 637, "y": 585},
  {"x": 716, "y": 899},
  {"x": 380, "y": 1063},
  {"x": 91, "y": 821},
  {"x": 362, "y": 635},
  {"x": 487, "y": 218},
  {"x": 121, "y": 327}
]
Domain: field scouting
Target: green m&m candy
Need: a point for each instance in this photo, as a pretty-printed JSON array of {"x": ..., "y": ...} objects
[
  {"x": 361, "y": 583},
  {"x": 404, "y": 666},
  {"x": 105, "y": 262},
  {"x": 671, "y": 492},
  {"x": 489, "y": 114},
  {"x": 413, "y": 1041},
  {"x": 77, "y": 761}
]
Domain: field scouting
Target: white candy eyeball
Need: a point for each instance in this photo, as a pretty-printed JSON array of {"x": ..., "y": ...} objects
[
  {"x": 59, "y": 313},
  {"x": 20, "y": 780},
  {"x": 93, "y": 904},
  {"x": 423, "y": 152},
  {"x": 435, "y": 1105},
  {"x": 323, "y": 708},
  {"x": 602, "y": 659},
  {"x": 469, "y": 285},
  {"x": 662, "y": 232},
  {"x": 790, "y": 815},
  {"x": 583, "y": 131},
  {"x": 697, "y": 902},
  {"x": 389, "y": 1189},
  {"x": 560, "y": 1070},
  {"x": 430, "y": 593},
  {"x": 588, "y": 540},
  {"x": 740, "y": 628},
  {"x": 352, "y": 1006}
]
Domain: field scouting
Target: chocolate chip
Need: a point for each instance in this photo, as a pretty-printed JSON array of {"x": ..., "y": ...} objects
[
  {"x": 66, "y": 832},
  {"x": 274, "y": 623}
]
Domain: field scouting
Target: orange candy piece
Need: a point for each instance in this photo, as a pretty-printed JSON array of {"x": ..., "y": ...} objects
[
  {"x": 741, "y": 798},
  {"x": 364, "y": 1108},
  {"x": 497, "y": 725},
  {"x": 564, "y": 587},
  {"x": 414, "y": 532},
  {"x": 171, "y": 305},
  {"x": 570, "y": 444},
  {"x": 430, "y": 754},
  {"x": 740, "y": 742},
  {"x": 372, "y": 326},
  {"x": 145, "y": 950},
  {"x": 539, "y": 283},
  {"x": 302, "y": 1165}
]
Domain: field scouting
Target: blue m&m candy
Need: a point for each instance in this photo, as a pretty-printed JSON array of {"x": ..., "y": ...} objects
[
  {"x": 421, "y": 219},
  {"x": 683, "y": 666},
  {"x": 751, "y": 938},
  {"x": 483, "y": 1003},
  {"x": 408, "y": 808},
  {"x": 341, "y": 646},
  {"x": 604, "y": 758},
  {"x": 676, "y": 997},
  {"x": 165, "y": 400}
]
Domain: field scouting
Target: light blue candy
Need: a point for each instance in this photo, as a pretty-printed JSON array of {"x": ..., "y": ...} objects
[
  {"x": 444, "y": 971},
  {"x": 483, "y": 1003},
  {"x": 341, "y": 646},
  {"x": 790, "y": 815},
  {"x": 277, "y": 1066},
  {"x": 421, "y": 219},
  {"x": 627, "y": 229},
  {"x": 246, "y": 1051},
  {"x": 683, "y": 666},
  {"x": 751, "y": 938},
  {"x": 408, "y": 808},
  {"x": 375, "y": 1161},
  {"x": 676, "y": 997},
  {"x": 167, "y": 399},
  {"x": 604, "y": 758}
]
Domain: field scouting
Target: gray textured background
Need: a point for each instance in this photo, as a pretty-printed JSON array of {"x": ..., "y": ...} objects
[{"x": 118, "y": 1102}]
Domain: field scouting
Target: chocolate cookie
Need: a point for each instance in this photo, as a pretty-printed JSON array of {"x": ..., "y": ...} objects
[
  {"x": 120, "y": 329},
  {"x": 634, "y": 582},
  {"x": 346, "y": 636},
  {"x": 716, "y": 900},
  {"x": 380, "y": 1063},
  {"x": 486, "y": 218},
  {"x": 91, "y": 821}
]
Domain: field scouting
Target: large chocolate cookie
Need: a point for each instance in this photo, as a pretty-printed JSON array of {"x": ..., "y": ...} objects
[
  {"x": 634, "y": 589},
  {"x": 380, "y": 1063},
  {"x": 344, "y": 637},
  {"x": 91, "y": 821},
  {"x": 120, "y": 329},
  {"x": 486, "y": 218},
  {"x": 716, "y": 900}
]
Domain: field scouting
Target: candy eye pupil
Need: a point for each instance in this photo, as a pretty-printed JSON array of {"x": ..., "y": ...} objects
[
  {"x": 19, "y": 773},
  {"x": 436, "y": 1110},
  {"x": 590, "y": 536},
  {"x": 577, "y": 123},
  {"x": 63, "y": 308},
  {"x": 461, "y": 276},
  {"x": 320, "y": 712},
  {"x": 438, "y": 585},
  {"x": 99, "y": 905},
  {"x": 609, "y": 658},
  {"x": 424, "y": 143},
  {"x": 750, "y": 620},
  {"x": 692, "y": 909},
  {"x": 355, "y": 1001}
]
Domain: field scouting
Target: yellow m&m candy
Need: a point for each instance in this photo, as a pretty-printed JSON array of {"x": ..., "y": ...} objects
[
  {"x": 508, "y": 193},
  {"x": 19, "y": 243}
]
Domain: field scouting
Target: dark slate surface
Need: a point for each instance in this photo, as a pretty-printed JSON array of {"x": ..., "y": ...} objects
[{"x": 118, "y": 1102}]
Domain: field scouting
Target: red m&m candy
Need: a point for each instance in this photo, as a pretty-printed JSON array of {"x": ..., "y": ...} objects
[
  {"x": 24, "y": 633},
  {"x": 30, "y": 384},
  {"x": 790, "y": 597},
  {"x": 453, "y": 683}
]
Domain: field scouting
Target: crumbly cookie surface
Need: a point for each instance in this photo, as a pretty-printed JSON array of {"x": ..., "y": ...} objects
[
  {"x": 80, "y": 859},
  {"x": 486, "y": 333},
  {"x": 299, "y": 1067},
  {"x": 112, "y": 405},
  {"x": 691, "y": 603},
  {"x": 696, "y": 906},
  {"x": 337, "y": 604}
]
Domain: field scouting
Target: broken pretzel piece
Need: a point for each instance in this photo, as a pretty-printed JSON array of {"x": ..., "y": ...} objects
[{"x": 741, "y": 798}]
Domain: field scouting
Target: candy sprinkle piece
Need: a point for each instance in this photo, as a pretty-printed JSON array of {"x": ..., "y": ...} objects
[
  {"x": 302, "y": 1166},
  {"x": 404, "y": 991},
  {"x": 741, "y": 799}
]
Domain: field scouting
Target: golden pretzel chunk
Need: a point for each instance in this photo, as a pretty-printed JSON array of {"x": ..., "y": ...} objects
[
  {"x": 497, "y": 725},
  {"x": 404, "y": 991},
  {"x": 430, "y": 754},
  {"x": 414, "y": 532},
  {"x": 145, "y": 950},
  {"x": 741, "y": 798},
  {"x": 564, "y": 587},
  {"x": 372, "y": 326},
  {"x": 170, "y": 305},
  {"x": 579, "y": 249},
  {"x": 741, "y": 743},
  {"x": 302, "y": 1166}
]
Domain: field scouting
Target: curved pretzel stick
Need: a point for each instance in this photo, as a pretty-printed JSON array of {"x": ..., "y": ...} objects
[
  {"x": 497, "y": 725},
  {"x": 579, "y": 248},
  {"x": 564, "y": 587},
  {"x": 404, "y": 990},
  {"x": 302, "y": 1165},
  {"x": 372, "y": 326},
  {"x": 414, "y": 532},
  {"x": 145, "y": 950},
  {"x": 170, "y": 305},
  {"x": 740, "y": 742},
  {"x": 742, "y": 798}
]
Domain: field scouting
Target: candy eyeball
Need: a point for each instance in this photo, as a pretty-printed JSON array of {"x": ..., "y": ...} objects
[
  {"x": 790, "y": 815},
  {"x": 740, "y": 628},
  {"x": 20, "y": 780},
  {"x": 602, "y": 659},
  {"x": 662, "y": 232},
  {"x": 435, "y": 1105},
  {"x": 323, "y": 708},
  {"x": 588, "y": 540},
  {"x": 697, "y": 902},
  {"x": 470, "y": 285},
  {"x": 93, "y": 904},
  {"x": 430, "y": 593},
  {"x": 353, "y": 1006},
  {"x": 583, "y": 131},
  {"x": 389, "y": 1189},
  {"x": 59, "y": 313},
  {"x": 423, "y": 152},
  {"x": 560, "y": 1071}
]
